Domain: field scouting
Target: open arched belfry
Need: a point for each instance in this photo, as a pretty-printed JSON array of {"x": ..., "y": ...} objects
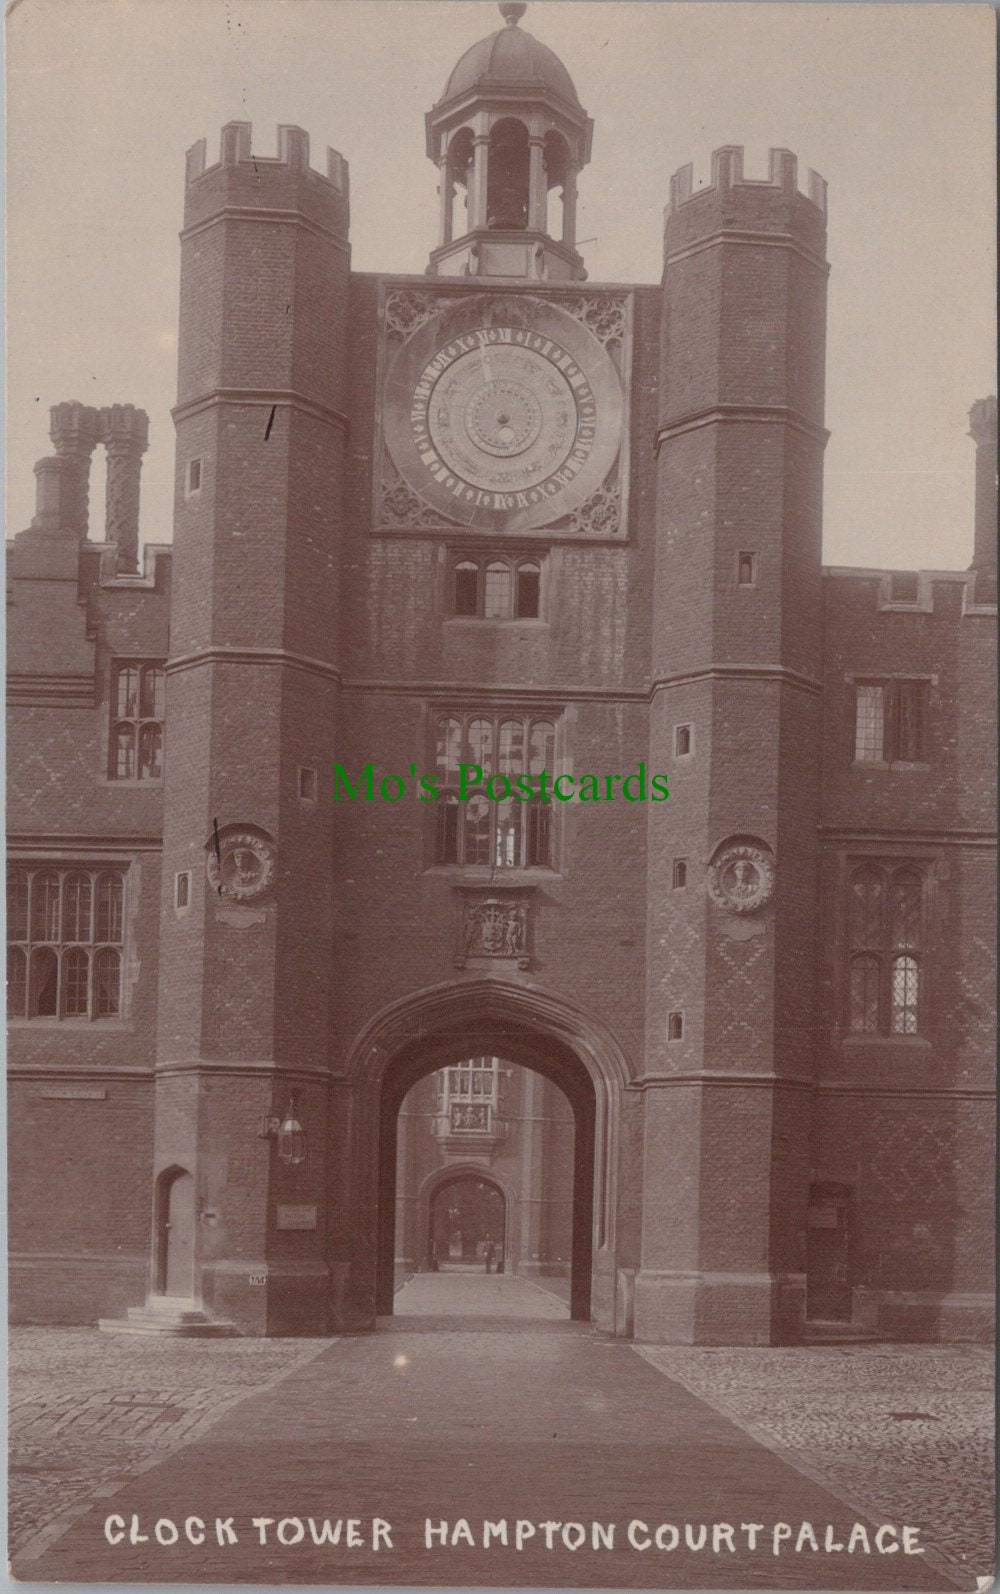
[{"x": 497, "y": 515}]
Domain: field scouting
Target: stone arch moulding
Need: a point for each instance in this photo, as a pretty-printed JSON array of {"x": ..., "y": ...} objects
[{"x": 435, "y": 1026}]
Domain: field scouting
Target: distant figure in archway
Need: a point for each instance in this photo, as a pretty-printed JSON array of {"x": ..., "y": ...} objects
[{"x": 490, "y": 1253}]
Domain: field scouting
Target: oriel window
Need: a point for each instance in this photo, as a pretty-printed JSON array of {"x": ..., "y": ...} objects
[{"x": 503, "y": 835}]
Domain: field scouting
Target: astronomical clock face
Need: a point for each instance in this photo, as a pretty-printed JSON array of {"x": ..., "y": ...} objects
[{"x": 505, "y": 413}]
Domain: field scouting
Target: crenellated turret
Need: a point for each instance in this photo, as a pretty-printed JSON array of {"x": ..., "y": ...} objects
[
  {"x": 736, "y": 651},
  {"x": 258, "y": 508}
]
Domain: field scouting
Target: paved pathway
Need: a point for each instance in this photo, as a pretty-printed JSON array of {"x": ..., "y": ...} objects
[{"x": 480, "y": 1402}]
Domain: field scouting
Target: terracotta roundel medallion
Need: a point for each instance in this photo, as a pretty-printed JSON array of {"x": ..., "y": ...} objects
[
  {"x": 243, "y": 867},
  {"x": 741, "y": 879}
]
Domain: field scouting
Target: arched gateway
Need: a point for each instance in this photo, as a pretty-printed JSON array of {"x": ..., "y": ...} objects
[{"x": 437, "y": 1028}]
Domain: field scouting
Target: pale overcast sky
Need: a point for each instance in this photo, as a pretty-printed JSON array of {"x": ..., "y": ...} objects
[{"x": 892, "y": 104}]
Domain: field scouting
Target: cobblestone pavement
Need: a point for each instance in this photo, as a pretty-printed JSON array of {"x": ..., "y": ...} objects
[
  {"x": 482, "y": 1401},
  {"x": 904, "y": 1432},
  {"x": 86, "y": 1408}
]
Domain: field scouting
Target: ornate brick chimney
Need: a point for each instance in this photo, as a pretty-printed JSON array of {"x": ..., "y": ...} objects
[
  {"x": 75, "y": 430},
  {"x": 125, "y": 434}
]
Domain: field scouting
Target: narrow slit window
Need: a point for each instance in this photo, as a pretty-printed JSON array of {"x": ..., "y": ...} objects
[
  {"x": 682, "y": 740},
  {"x": 746, "y": 570},
  {"x": 194, "y": 475},
  {"x": 675, "y": 1027},
  {"x": 680, "y": 873}
]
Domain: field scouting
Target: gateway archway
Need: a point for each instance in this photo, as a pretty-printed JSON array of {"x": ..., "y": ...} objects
[
  {"x": 579, "y": 1092},
  {"x": 467, "y": 1211},
  {"x": 440, "y": 1027}
]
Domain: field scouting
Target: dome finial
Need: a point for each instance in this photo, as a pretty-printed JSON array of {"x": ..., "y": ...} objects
[{"x": 512, "y": 13}]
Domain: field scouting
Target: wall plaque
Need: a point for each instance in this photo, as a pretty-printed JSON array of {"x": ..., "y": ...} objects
[
  {"x": 72, "y": 1093},
  {"x": 297, "y": 1217}
]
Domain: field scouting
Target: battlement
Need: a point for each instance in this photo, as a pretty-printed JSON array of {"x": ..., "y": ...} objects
[
  {"x": 293, "y": 153},
  {"x": 727, "y": 173}
]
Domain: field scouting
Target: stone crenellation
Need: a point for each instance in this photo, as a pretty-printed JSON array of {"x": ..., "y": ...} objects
[
  {"x": 293, "y": 152},
  {"x": 727, "y": 172}
]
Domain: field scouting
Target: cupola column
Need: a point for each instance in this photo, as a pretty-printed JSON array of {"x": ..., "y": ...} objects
[
  {"x": 537, "y": 191},
  {"x": 569, "y": 207},
  {"x": 446, "y": 190},
  {"x": 480, "y": 178}
]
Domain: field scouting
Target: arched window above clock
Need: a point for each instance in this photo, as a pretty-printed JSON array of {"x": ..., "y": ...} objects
[{"x": 495, "y": 587}]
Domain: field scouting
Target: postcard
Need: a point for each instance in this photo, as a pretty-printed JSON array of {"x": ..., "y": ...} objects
[{"x": 501, "y": 629}]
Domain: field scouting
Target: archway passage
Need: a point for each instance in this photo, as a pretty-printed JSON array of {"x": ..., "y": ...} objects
[
  {"x": 467, "y": 1224},
  {"x": 498, "y": 1046}
]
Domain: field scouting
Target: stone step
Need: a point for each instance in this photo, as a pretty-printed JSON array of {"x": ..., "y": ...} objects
[
  {"x": 179, "y": 1313},
  {"x": 834, "y": 1331},
  {"x": 171, "y": 1316},
  {"x": 167, "y": 1329}
]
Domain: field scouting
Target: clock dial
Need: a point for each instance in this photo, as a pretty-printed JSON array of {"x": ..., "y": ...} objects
[
  {"x": 503, "y": 418},
  {"x": 503, "y": 413}
]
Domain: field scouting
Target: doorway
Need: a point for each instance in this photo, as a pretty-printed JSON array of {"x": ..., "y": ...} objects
[
  {"x": 175, "y": 1232},
  {"x": 828, "y": 1254},
  {"x": 467, "y": 1224}
]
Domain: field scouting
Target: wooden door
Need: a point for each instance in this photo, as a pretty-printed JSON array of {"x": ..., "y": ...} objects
[
  {"x": 178, "y": 1237},
  {"x": 828, "y": 1260}
]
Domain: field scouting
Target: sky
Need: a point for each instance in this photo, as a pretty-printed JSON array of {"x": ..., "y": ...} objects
[{"x": 892, "y": 104}]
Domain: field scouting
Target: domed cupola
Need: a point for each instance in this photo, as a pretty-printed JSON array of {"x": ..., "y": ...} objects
[{"x": 509, "y": 136}]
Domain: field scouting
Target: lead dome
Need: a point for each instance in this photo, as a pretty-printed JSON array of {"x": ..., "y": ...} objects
[{"x": 510, "y": 59}]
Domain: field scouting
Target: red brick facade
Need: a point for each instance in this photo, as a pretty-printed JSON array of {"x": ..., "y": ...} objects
[{"x": 753, "y": 1151}]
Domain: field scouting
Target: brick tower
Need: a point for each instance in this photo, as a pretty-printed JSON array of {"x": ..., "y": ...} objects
[
  {"x": 252, "y": 710},
  {"x": 735, "y": 717}
]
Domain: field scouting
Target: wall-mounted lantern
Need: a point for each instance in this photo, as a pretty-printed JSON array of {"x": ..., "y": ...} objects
[{"x": 287, "y": 1131}]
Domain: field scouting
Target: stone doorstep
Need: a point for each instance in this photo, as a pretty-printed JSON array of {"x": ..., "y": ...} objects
[
  {"x": 171, "y": 1316},
  {"x": 835, "y": 1331}
]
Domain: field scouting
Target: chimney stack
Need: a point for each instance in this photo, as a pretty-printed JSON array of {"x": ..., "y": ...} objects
[
  {"x": 125, "y": 433},
  {"x": 74, "y": 429},
  {"x": 983, "y": 431}
]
